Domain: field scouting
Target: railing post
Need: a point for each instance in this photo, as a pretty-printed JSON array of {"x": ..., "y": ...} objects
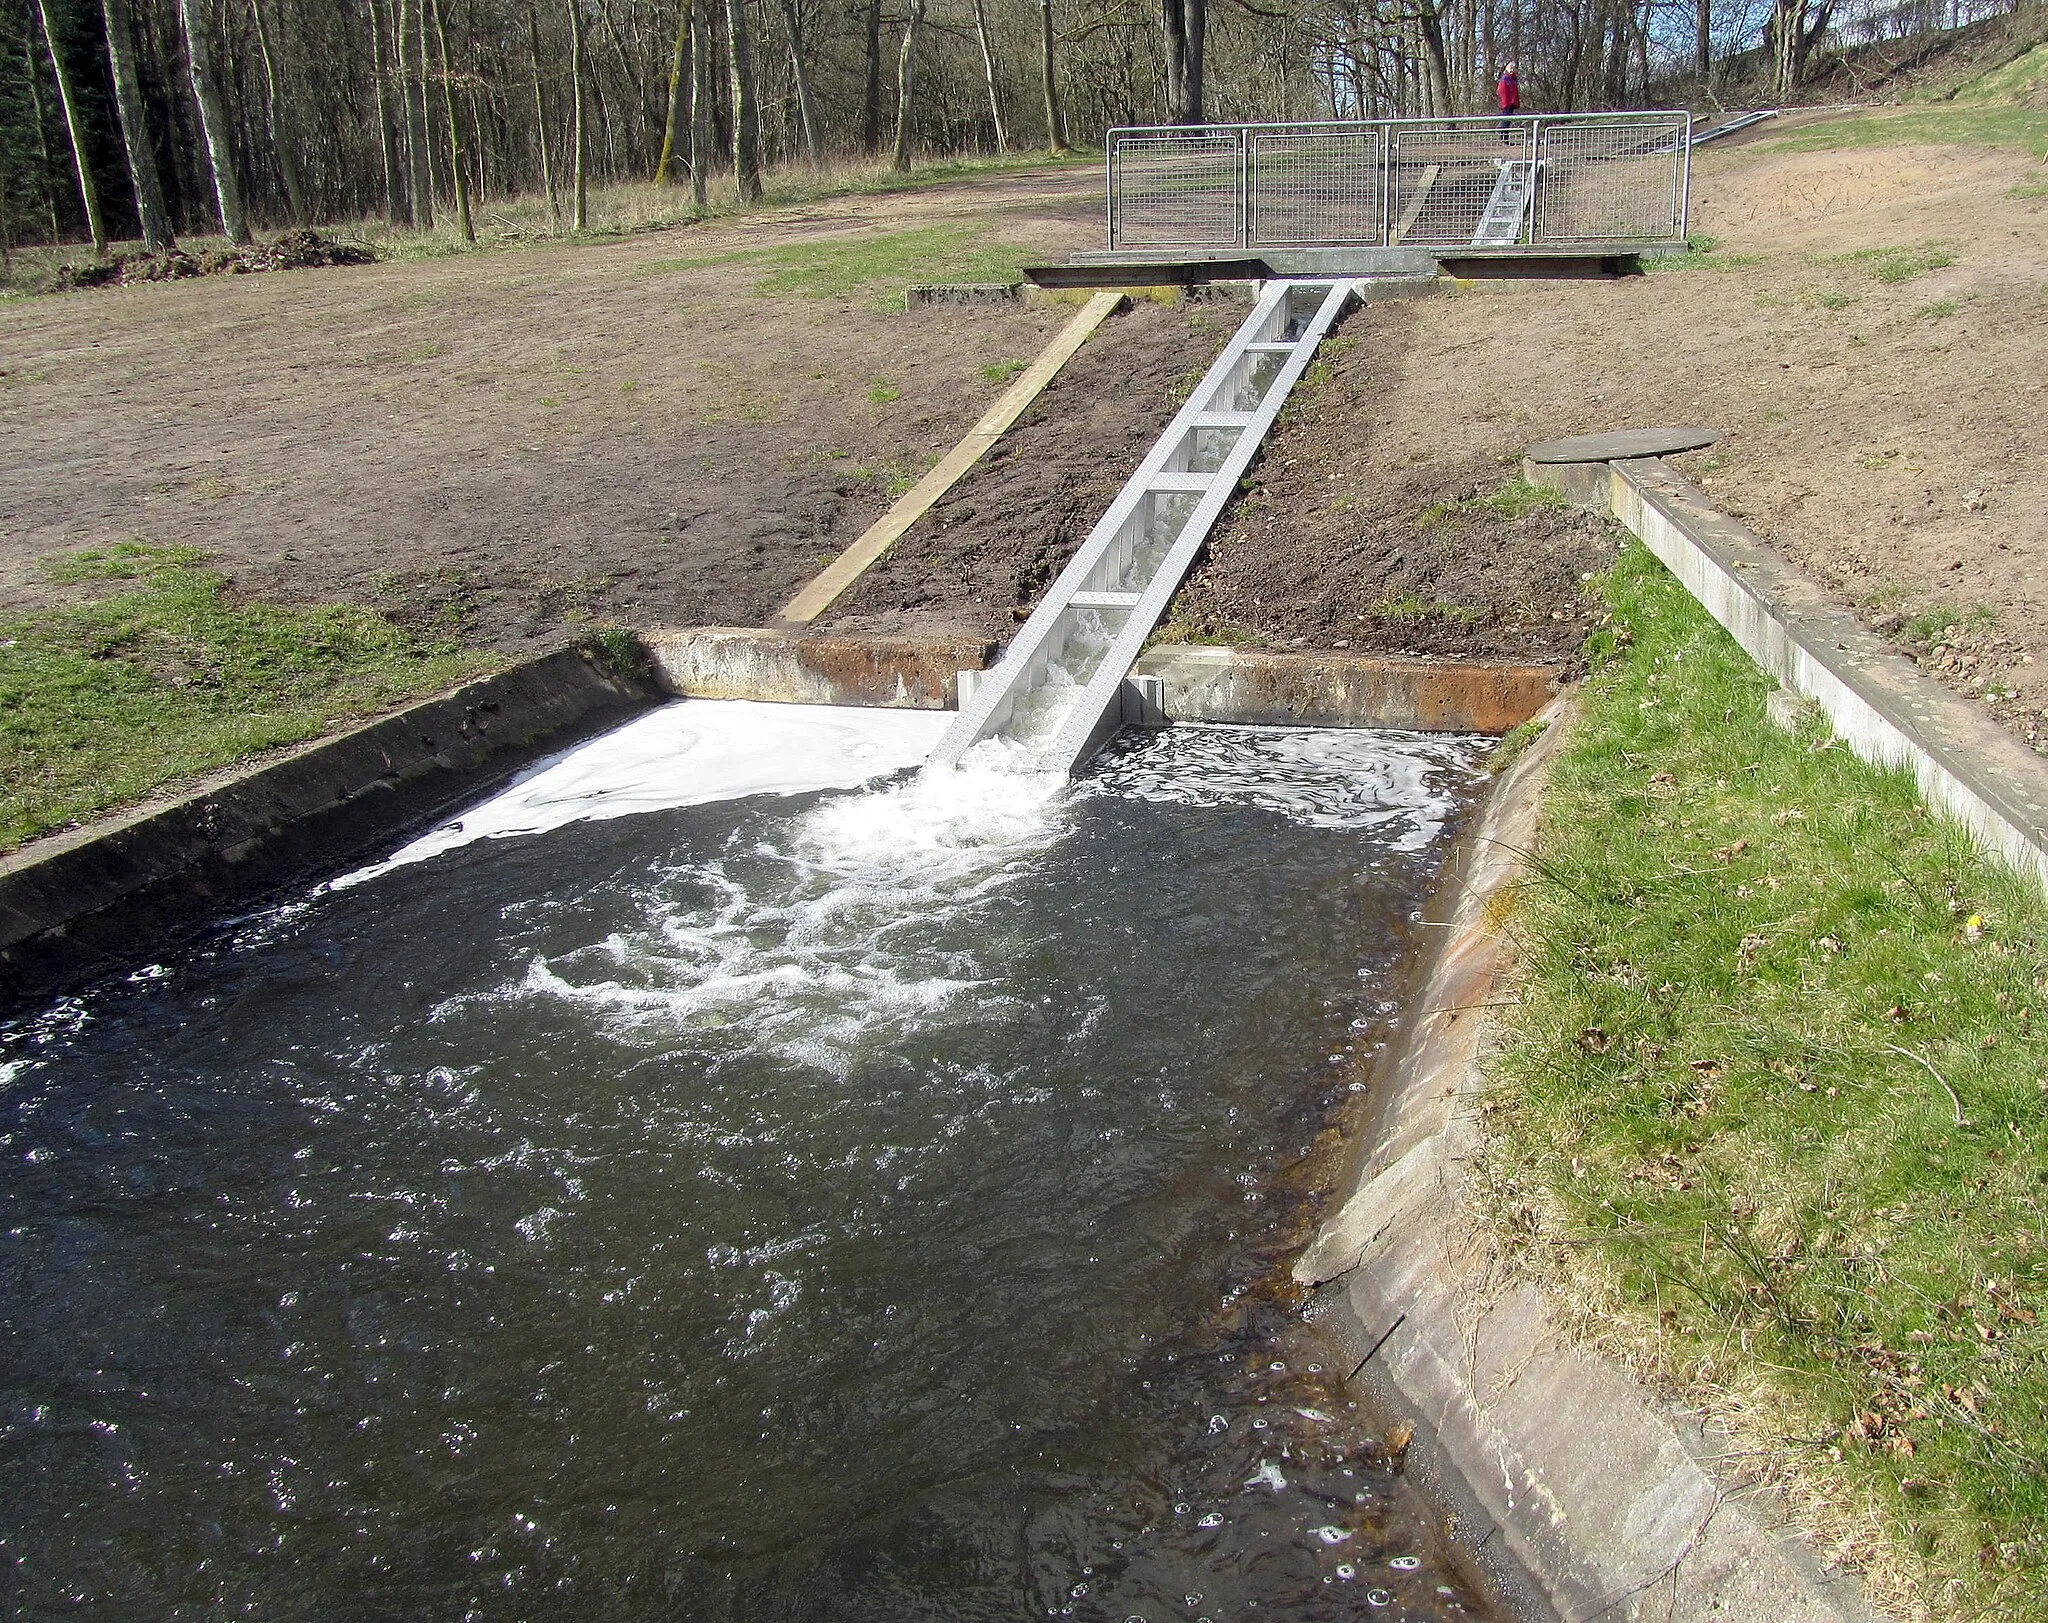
[
  {"x": 1244, "y": 186},
  {"x": 1386, "y": 140}
]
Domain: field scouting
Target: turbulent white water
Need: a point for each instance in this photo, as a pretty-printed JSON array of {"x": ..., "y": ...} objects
[
  {"x": 1403, "y": 784},
  {"x": 689, "y": 754}
]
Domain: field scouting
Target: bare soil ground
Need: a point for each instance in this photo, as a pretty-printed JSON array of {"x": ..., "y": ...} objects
[
  {"x": 1882, "y": 415},
  {"x": 977, "y": 563},
  {"x": 507, "y": 445}
]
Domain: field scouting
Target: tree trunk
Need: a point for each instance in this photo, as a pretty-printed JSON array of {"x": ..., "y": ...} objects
[
  {"x": 700, "y": 109},
  {"x": 1429, "y": 22},
  {"x": 988, "y": 68},
  {"x": 213, "y": 123},
  {"x": 1194, "y": 78},
  {"x": 463, "y": 223},
  {"x": 280, "y": 140},
  {"x": 540, "y": 122},
  {"x": 746, "y": 105},
  {"x": 579, "y": 218},
  {"x": 1706, "y": 45},
  {"x": 871, "y": 108},
  {"x": 906, "y": 67},
  {"x": 381, "y": 78},
  {"x": 74, "y": 124},
  {"x": 157, "y": 235},
  {"x": 35, "y": 94},
  {"x": 672, "y": 126},
  {"x": 1055, "y": 125},
  {"x": 1173, "y": 23},
  {"x": 807, "y": 110}
]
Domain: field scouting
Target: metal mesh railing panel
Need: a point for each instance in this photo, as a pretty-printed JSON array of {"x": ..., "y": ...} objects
[
  {"x": 1599, "y": 177},
  {"x": 1177, "y": 191},
  {"x": 1610, "y": 182},
  {"x": 1311, "y": 187},
  {"x": 1442, "y": 177}
]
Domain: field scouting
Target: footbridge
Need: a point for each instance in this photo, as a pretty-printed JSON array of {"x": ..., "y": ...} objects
[{"x": 1544, "y": 194}]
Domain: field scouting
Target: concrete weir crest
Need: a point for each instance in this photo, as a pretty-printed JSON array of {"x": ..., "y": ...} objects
[{"x": 1091, "y": 625}]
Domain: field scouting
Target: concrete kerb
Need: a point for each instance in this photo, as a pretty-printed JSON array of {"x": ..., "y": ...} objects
[
  {"x": 97, "y": 900},
  {"x": 1885, "y": 710},
  {"x": 1576, "y": 1492}
]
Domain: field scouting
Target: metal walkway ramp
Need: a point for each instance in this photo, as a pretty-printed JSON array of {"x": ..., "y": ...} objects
[
  {"x": 1501, "y": 223},
  {"x": 1058, "y": 691}
]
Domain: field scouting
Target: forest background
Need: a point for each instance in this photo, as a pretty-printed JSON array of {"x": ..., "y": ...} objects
[{"x": 156, "y": 119}]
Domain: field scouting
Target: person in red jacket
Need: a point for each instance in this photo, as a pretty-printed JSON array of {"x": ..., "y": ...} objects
[{"x": 1510, "y": 92}]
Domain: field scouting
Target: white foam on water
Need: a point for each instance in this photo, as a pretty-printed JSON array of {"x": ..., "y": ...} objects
[
  {"x": 1403, "y": 785},
  {"x": 688, "y": 754},
  {"x": 812, "y": 942}
]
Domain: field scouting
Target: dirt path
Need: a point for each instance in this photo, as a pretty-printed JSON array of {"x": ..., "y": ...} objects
[{"x": 512, "y": 443}]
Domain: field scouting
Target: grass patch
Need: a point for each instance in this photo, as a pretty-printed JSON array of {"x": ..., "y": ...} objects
[
  {"x": 1943, "y": 620},
  {"x": 1518, "y": 498},
  {"x": 1953, "y": 124},
  {"x": 1003, "y": 371},
  {"x": 1702, "y": 252},
  {"x": 166, "y": 675},
  {"x": 1203, "y": 635},
  {"x": 1939, "y": 309},
  {"x": 1773, "y": 1106},
  {"x": 1895, "y": 265},
  {"x": 884, "y": 393},
  {"x": 935, "y": 253}
]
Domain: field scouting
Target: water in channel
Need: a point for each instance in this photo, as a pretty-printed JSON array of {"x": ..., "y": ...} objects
[{"x": 850, "y": 1204}]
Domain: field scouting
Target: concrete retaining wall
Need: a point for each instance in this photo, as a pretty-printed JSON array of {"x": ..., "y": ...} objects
[
  {"x": 788, "y": 667},
  {"x": 1346, "y": 690},
  {"x": 1880, "y": 705},
  {"x": 108, "y": 897},
  {"x": 1559, "y": 1471}
]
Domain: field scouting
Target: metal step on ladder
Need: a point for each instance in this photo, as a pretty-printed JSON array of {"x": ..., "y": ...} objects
[
  {"x": 1058, "y": 691},
  {"x": 1501, "y": 224}
]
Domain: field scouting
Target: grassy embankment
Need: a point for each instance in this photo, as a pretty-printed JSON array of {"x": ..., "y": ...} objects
[
  {"x": 1995, "y": 110},
  {"x": 1772, "y": 1109},
  {"x": 160, "y": 674}
]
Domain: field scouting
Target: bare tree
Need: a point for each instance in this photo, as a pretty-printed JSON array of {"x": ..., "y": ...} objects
[
  {"x": 807, "y": 111},
  {"x": 157, "y": 235},
  {"x": 411, "y": 36},
  {"x": 213, "y": 122},
  {"x": 463, "y": 223},
  {"x": 387, "y": 135},
  {"x": 906, "y": 68},
  {"x": 540, "y": 121},
  {"x": 700, "y": 109},
  {"x": 280, "y": 137},
  {"x": 1055, "y": 123},
  {"x": 677, "y": 88},
  {"x": 871, "y": 102},
  {"x": 1184, "y": 25},
  {"x": 746, "y": 103},
  {"x": 988, "y": 69},
  {"x": 579, "y": 219},
  {"x": 74, "y": 125}
]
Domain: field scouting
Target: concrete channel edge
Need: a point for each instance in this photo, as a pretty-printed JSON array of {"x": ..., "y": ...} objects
[
  {"x": 1887, "y": 711},
  {"x": 1575, "y": 1492},
  {"x": 92, "y": 902}
]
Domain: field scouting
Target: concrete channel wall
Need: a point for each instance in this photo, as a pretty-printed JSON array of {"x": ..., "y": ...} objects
[
  {"x": 108, "y": 897},
  {"x": 1887, "y": 711},
  {"x": 99, "y": 900},
  {"x": 1574, "y": 1492}
]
